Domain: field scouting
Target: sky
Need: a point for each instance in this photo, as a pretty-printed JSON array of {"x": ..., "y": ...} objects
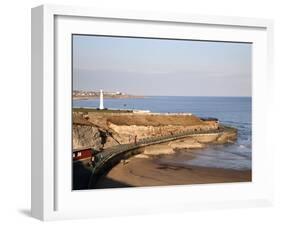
[{"x": 161, "y": 67}]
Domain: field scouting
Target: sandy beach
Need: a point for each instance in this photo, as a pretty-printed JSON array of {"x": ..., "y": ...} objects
[{"x": 143, "y": 171}]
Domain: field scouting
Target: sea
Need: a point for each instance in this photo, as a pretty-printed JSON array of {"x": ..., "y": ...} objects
[{"x": 232, "y": 111}]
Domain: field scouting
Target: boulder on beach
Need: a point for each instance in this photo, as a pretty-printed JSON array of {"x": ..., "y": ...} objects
[
  {"x": 158, "y": 149},
  {"x": 185, "y": 143},
  {"x": 141, "y": 156}
]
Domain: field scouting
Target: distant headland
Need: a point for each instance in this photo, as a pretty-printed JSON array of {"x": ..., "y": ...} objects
[{"x": 84, "y": 95}]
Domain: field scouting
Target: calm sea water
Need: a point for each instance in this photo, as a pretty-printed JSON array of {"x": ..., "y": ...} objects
[{"x": 233, "y": 111}]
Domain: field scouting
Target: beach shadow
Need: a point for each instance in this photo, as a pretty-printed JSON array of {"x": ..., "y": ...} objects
[
  {"x": 106, "y": 182},
  {"x": 167, "y": 167},
  {"x": 81, "y": 175}
]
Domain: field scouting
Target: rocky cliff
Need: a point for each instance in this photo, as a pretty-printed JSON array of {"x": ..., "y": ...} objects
[
  {"x": 127, "y": 133},
  {"x": 86, "y": 136},
  {"x": 104, "y": 130}
]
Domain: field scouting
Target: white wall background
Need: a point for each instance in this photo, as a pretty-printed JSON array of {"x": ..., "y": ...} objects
[{"x": 15, "y": 111}]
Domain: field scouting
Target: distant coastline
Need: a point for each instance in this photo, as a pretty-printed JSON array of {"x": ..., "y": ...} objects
[
  {"x": 106, "y": 97},
  {"x": 89, "y": 95}
]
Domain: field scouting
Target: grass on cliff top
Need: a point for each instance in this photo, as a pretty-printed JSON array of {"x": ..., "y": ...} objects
[
  {"x": 79, "y": 120},
  {"x": 129, "y": 119},
  {"x": 155, "y": 120}
]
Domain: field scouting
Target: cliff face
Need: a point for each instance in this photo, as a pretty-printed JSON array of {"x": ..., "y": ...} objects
[
  {"x": 127, "y": 133},
  {"x": 102, "y": 130},
  {"x": 86, "y": 136}
]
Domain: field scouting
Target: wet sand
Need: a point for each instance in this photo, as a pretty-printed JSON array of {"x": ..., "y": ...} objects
[{"x": 150, "y": 172}]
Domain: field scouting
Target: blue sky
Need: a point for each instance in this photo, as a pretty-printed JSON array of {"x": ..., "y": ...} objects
[{"x": 161, "y": 67}]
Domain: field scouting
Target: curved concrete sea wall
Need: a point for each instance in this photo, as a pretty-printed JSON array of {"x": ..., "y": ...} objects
[{"x": 114, "y": 156}]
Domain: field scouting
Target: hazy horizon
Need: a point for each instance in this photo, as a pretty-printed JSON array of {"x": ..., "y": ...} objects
[
  {"x": 161, "y": 67},
  {"x": 104, "y": 91}
]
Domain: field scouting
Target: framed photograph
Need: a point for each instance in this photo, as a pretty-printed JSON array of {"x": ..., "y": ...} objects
[{"x": 137, "y": 112}]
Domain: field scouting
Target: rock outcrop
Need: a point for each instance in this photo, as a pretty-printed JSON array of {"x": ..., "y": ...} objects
[
  {"x": 229, "y": 136},
  {"x": 84, "y": 136},
  {"x": 186, "y": 143},
  {"x": 158, "y": 149},
  {"x": 127, "y": 133},
  {"x": 101, "y": 130}
]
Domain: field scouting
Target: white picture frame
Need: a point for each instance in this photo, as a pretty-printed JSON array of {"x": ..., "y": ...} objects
[{"x": 52, "y": 197}]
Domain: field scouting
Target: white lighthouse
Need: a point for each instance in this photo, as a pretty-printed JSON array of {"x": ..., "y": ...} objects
[{"x": 101, "y": 100}]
